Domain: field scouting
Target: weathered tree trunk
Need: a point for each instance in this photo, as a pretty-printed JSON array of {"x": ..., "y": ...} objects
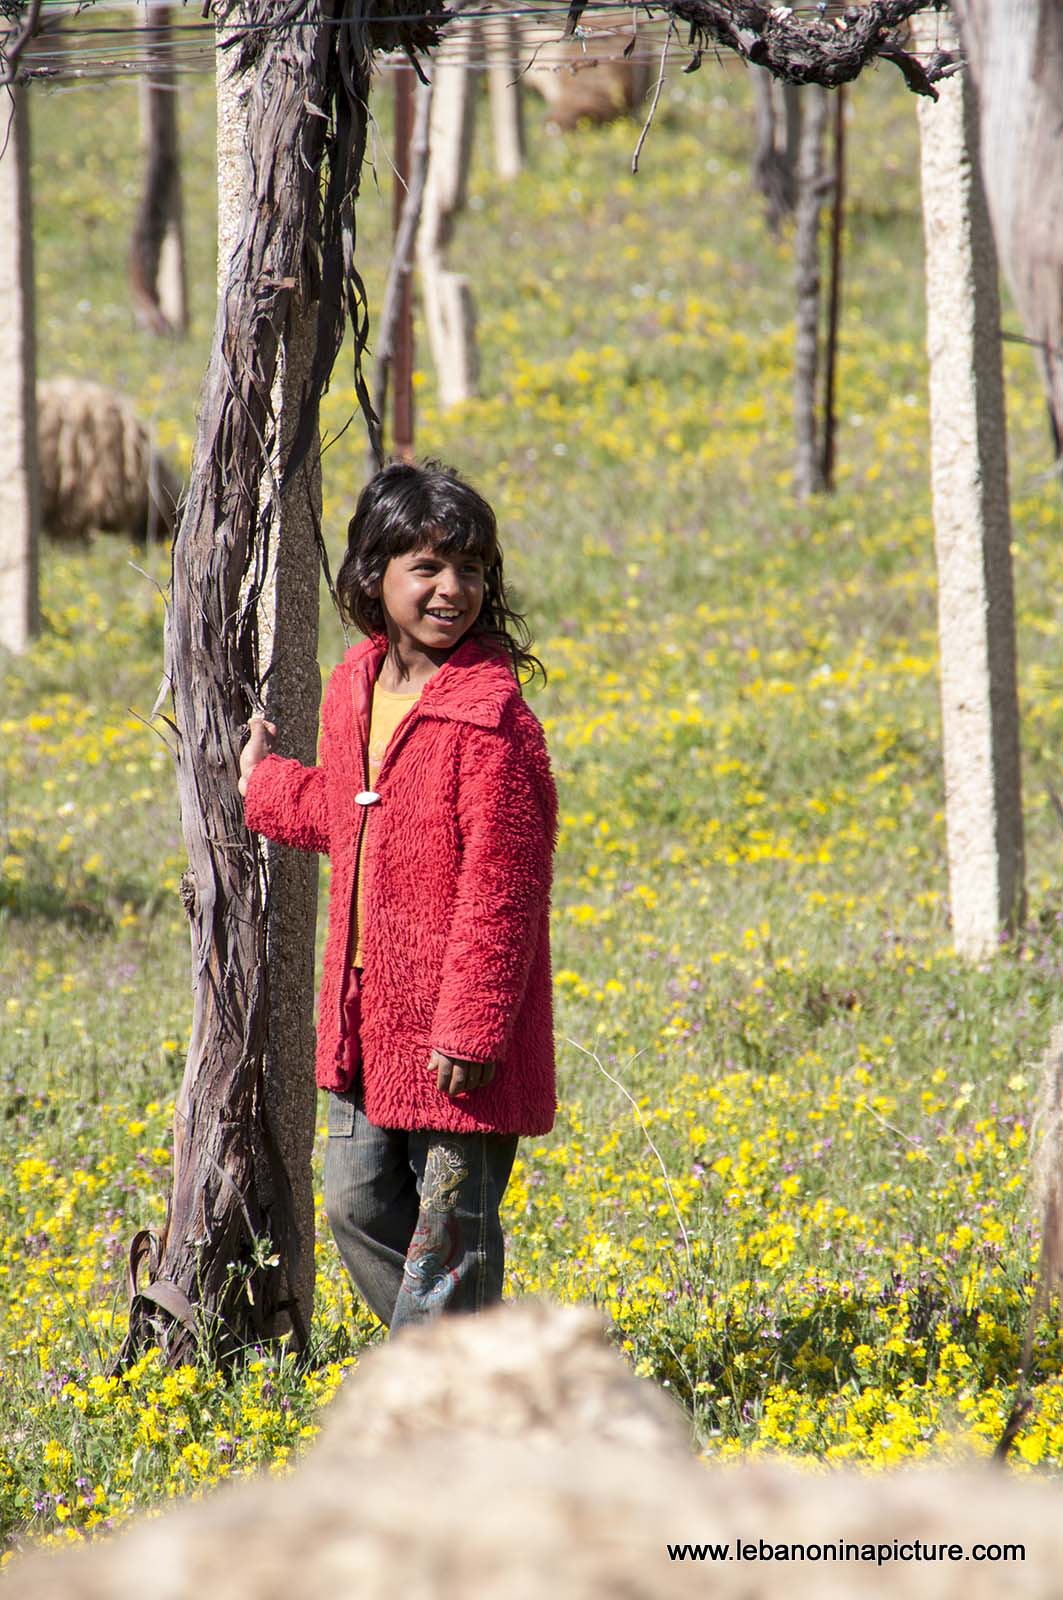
[
  {"x": 968, "y": 446},
  {"x": 226, "y": 1268},
  {"x": 1015, "y": 51},
  {"x": 504, "y": 91},
  {"x": 20, "y": 497},
  {"x": 777, "y": 115},
  {"x": 287, "y": 623},
  {"x": 157, "y": 273},
  {"x": 811, "y": 186},
  {"x": 450, "y": 311}
]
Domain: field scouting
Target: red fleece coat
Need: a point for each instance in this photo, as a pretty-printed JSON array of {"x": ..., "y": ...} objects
[{"x": 457, "y": 864}]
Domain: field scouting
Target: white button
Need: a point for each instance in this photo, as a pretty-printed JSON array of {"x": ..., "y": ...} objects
[{"x": 366, "y": 797}]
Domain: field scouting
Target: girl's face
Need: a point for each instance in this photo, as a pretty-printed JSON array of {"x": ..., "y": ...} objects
[{"x": 431, "y": 600}]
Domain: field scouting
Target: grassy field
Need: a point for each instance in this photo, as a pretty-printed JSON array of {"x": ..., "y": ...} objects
[{"x": 815, "y": 1227}]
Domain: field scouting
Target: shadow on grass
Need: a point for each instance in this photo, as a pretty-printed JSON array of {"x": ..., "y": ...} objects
[
  {"x": 41, "y": 887},
  {"x": 817, "y": 1351}
]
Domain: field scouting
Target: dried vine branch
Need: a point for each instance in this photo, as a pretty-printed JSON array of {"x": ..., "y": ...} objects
[
  {"x": 24, "y": 25},
  {"x": 799, "y": 49}
]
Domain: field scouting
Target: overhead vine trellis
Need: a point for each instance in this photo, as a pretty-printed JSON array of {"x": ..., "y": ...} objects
[
  {"x": 825, "y": 44},
  {"x": 213, "y": 1276}
]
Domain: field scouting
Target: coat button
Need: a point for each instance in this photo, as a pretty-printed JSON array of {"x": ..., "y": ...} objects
[{"x": 366, "y": 797}]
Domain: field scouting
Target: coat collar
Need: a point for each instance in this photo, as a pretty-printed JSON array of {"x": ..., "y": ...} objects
[{"x": 475, "y": 685}]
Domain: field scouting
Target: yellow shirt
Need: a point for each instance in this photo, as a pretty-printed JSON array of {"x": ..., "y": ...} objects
[{"x": 386, "y": 712}]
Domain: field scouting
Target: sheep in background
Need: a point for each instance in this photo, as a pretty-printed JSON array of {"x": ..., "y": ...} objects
[
  {"x": 514, "y": 1455},
  {"x": 538, "y": 1373},
  {"x": 587, "y": 77},
  {"x": 99, "y": 468}
]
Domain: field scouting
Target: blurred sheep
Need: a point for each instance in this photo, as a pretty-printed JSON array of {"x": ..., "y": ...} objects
[
  {"x": 99, "y": 467},
  {"x": 538, "y": 1373},
  {"x": 515, "y": 1456},
  {"x": 586, "y": 78}
]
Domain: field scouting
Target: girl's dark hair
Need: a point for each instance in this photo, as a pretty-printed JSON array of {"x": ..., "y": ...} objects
[{"x": 409, "y": 507}]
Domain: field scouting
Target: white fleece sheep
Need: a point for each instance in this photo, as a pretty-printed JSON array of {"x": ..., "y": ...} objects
[
  {"x": 514, "y": 1456},
  {"x": 586, "y": 78},
  {"x": 99, "y": 467}
]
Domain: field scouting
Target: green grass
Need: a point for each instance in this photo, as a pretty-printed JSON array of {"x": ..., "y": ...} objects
[{"x": 750, "y": 919}]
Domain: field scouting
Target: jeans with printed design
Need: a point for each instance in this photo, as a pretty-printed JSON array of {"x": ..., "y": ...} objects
[{"x": 415, "y": 1214}]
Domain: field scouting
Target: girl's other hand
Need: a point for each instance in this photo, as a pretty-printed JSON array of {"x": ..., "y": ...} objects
[
  {"x": 258, "y": 746},
  {"x": 454, "y": 1076}
]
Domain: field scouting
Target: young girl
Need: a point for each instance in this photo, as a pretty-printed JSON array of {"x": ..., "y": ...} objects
[{"x": 434, "y": 800}]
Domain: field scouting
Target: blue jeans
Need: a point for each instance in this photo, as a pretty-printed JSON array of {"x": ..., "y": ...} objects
[{"x": 415, "y": 1215}]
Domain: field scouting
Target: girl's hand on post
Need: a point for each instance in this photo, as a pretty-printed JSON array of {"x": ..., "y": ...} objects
[
  {"x": 454, "y": 1076},
  {"x": 258, "y": 746}
]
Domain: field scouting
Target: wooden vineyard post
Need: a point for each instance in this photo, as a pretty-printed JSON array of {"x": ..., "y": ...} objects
[
  {"x": 397, "y": 303},
  {"x": 777, "y": 121},
  {"x": 402, "y": 375},
  {"x": 834, "y": 294},
  {"x": 157, "y": 256},
  {"x": 1014, "y": 51},
  {"x": 972, "y": 530},
  {"x": 450, "y": 312},
  {"x": 501, "y": 38},
  {"x": 808, "y": 461},
  {"x": 19, "y": 477}
]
